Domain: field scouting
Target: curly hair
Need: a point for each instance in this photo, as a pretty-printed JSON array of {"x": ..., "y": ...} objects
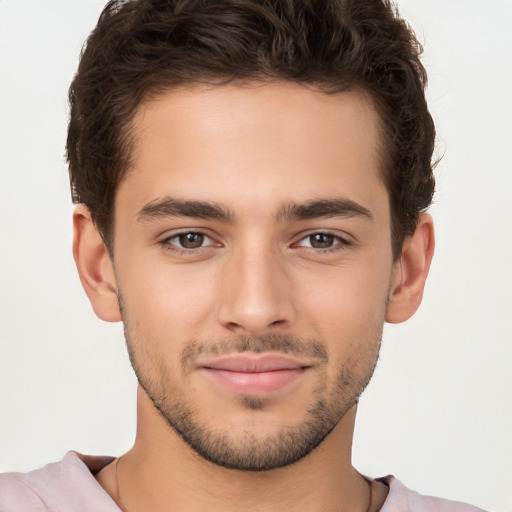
[{"x": 141, "y": 48}]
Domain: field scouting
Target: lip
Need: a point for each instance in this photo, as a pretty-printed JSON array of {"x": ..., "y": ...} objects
[{"x": 254, "y": 375}]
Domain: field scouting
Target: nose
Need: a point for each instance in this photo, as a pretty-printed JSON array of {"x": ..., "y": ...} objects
[{"x": 255, "y": 294}]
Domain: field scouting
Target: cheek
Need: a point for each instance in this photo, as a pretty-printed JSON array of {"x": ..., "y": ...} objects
[
  {"x": 348, "y": 293},
  {"x": 347, "y": 308},
  {"x": 350, "y": 323},
  {"x": 168, "y": 302}
]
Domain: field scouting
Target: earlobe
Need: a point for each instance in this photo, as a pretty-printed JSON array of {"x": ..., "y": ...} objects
[
  {"x": 410, "y": 272},
  {"x": 94, "y": 266}
]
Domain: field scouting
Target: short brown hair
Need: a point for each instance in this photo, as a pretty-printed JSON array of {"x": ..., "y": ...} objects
[{"x": 143, "y": 47}]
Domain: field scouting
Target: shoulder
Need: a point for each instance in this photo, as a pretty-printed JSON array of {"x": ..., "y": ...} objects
[
  {"x": 67, "y": 486},
  {"x": 402, "y": 499}
]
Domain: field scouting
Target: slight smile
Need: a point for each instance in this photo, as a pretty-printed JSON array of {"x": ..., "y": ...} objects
[{"x": 254, "y": 374}]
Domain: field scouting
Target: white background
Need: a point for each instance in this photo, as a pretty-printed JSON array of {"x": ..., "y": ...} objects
[{"x": 439, "y": 411}]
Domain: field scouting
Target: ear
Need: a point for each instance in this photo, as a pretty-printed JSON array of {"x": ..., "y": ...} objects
[
  {"x": 410, "y": 272},
  {"x": 94, "y": 266}
]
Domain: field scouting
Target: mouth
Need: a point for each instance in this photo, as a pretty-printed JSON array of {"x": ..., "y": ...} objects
[{"x": 254, "y": 374}]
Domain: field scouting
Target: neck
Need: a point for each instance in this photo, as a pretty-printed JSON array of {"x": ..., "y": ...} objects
[{"x": 162, "y": 473}]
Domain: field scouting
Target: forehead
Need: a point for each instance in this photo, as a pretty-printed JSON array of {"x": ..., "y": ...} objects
[{"x": 277, "y": 141}]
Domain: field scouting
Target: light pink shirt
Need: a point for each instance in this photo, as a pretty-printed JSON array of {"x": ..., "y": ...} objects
[{"x": 70, "y": 486}]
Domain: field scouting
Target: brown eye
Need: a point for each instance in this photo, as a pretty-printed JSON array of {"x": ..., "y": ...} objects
[
  {"x": 191, "y": 240},
  {"x": 189, "y": 243},
  {"x": 324, "y": 242},
  {"x": 321, "y": 240}
]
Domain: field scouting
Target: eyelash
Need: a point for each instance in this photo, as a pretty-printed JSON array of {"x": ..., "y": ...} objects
[
  {"x": 339, "y": 243},
  {"x": 169, "y": 246}
]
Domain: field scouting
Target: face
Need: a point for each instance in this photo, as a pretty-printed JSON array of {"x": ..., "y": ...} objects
[{"x": 252, "y": 254}]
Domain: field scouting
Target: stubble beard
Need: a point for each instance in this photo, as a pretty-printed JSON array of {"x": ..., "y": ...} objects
[{"x": 249, "y": 451}]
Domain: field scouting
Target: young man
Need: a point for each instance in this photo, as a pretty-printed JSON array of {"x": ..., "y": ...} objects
[{"x": 252, "y": 180}]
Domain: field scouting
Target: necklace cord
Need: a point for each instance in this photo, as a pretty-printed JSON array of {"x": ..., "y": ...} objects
[
  {"x": 118, "y": 497},
  {"x": 370, "y": 492}
]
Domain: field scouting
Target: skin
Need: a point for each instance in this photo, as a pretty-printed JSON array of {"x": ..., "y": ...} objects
[{"x": 264, "y": 270}]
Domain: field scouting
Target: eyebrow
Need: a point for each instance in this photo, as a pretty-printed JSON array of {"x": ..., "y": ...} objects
[
  {"x": 171, "y": 207},
  {"x": 338, "y": 207}
]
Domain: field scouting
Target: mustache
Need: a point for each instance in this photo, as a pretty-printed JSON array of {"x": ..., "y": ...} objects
[{"x": 291, "y": 345}]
